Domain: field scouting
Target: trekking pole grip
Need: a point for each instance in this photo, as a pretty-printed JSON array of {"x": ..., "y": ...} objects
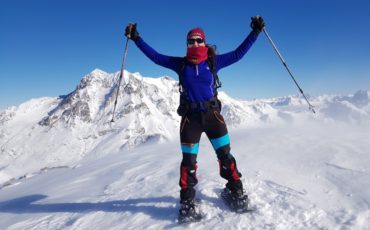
[{"x": 128, "y": 31}]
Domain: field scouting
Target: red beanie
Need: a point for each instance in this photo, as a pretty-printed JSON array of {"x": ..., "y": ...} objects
[{"x": 196, "y": 32}]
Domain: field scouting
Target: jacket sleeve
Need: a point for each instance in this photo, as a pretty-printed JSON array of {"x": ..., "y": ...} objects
[
  {"x": 227, "y": 59},
  {"x": 173, "y": 63}
]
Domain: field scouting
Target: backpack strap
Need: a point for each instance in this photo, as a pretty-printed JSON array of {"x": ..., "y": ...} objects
[
  {"x": 181, "y": 76},
  {"x": 212, "y": 64}
]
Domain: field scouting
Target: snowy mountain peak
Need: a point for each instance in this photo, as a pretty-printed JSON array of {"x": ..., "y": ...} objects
[
  {"x": 360, "y": 98},
  {"x": 143, "y": 105},
  {"x": 98, "y": 72}
]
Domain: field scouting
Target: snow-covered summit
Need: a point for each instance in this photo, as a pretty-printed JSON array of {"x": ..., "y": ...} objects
[{"x": 92, "y": 101}]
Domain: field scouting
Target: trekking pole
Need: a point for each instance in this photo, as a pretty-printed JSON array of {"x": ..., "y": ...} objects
[
  {"x": 121, "y": 74},
  {"x": 290, "y": 73}
]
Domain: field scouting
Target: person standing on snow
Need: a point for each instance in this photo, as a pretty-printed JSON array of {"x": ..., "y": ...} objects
[{"x": 199, "y": 107}]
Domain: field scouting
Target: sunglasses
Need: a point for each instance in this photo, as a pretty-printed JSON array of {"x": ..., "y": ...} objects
[{"x": 191, "y": 41}]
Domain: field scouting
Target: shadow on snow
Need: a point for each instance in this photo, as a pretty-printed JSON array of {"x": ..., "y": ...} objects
[{"x": 23, "y": 205}]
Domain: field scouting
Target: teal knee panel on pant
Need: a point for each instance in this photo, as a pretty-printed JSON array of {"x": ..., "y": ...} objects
[
  {"x": 220, "y": 142},
  {"x": 191, "y": 148}
]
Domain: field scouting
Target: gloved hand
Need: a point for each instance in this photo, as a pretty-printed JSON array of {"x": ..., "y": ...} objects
[
  {"x": 257, "y": 24},
  {"x": 131, "y": 32}
]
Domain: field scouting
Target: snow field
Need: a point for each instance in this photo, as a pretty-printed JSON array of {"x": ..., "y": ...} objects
[{"x": 316, "y": 179}]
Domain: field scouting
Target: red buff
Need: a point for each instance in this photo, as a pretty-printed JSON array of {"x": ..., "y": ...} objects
[{"x": 197, "y": 54}]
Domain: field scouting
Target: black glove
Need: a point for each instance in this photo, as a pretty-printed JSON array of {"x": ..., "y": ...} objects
[
  {"x": 257, "y": 24},
  {"x": 131, "y": 32}
]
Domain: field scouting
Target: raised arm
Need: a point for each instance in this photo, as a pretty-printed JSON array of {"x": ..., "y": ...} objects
[
  {"x": 159, "y": 59},
  {"x": 173, "y": 63},
  {"x": 227, "y": 59}
]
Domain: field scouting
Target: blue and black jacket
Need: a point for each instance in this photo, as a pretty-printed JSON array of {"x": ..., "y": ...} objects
[{"x": 197, "y": 78}]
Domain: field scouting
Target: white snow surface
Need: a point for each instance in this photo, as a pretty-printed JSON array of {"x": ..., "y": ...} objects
[{"x": 64, "y": 165}]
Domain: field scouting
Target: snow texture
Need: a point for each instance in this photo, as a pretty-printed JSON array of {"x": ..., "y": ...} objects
[{"x": 64, "y": 165}]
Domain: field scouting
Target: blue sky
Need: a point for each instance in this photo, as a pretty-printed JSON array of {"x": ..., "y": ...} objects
[{"x": 47, "y": 46}]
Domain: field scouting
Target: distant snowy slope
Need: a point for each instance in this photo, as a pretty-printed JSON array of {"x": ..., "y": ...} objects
[
  {"x": 353, "y": 108},
  {"x": 348, "y": 109}
]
